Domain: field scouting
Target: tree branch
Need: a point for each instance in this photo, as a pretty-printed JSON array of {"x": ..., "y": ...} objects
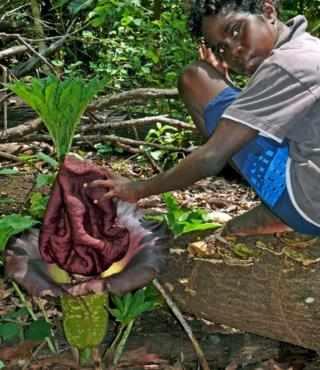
[
  {"x": 20, "y": 131},
  {"x": 135, "y": 94},
  {"x": 23, "y": 68},
  {"x": 136, "y": 122},
  {"x": 100, "y": 138},
  {"x": 14, "y": 50}
]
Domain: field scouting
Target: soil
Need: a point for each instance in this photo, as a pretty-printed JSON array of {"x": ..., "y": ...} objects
[{"x": 157, "y": 341}]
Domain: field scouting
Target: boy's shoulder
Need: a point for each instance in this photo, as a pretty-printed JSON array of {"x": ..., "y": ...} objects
[
  {"x": 301, "y": 52},
  {"x": 300, "y": 57}
]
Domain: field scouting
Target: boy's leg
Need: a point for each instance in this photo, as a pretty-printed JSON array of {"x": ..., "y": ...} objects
[{"x": 198, "y": 85}]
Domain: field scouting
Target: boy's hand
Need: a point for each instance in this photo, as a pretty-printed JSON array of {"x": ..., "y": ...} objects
[
  {"x": 207, "y": 55},
  {"x": 118, "y": 187}
]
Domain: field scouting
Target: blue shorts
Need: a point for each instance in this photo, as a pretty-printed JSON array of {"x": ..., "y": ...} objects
[{"x": 262, "y": 162}]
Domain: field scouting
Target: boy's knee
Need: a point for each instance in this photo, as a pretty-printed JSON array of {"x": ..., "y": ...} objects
[
  {"x": 189, "y": 77},
  {"x": 199, "y": 77}
]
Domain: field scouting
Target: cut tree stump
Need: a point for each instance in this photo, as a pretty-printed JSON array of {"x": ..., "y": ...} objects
[{"x": 274, "y": 294}]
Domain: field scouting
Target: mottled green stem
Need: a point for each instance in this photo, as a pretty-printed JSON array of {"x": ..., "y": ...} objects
[
  {"x": 85, "y": 357},
  {"x": 123, "y": 342},
  {"x": 85, "y": 323}
]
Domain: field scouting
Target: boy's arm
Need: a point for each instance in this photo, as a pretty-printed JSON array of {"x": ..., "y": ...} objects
[{"x": 228, "y": 138}]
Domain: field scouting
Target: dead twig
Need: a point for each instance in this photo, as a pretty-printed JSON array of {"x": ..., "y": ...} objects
[
  {"x": 135, "y": 122},
  {"x": 137, "y": 151},
  {"x": 20, "y": 131},
  {"x": 14, "y": 158},
  {"x": 135, "y": 94},
  {"x": 29, "y": 47},
  {"x": 203, "y": 362},
  {"x": 25, "y": 67},
  {"x": 6, "y": 97},
  {"x": 33, "y": 355},
  {"x": 113, "y": 138},
  {"x": 11, "y": 157},
  {"x": 5, "y": 105},
  {"x": 14, "y": 50},
  {"x": 101, "y": 138}
]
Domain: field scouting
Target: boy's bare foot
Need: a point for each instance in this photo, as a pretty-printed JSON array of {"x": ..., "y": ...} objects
[{"x": 258, "y": 221}]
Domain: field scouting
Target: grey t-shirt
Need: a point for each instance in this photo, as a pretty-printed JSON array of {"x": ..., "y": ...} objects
[{"x": 282, "y": 100}]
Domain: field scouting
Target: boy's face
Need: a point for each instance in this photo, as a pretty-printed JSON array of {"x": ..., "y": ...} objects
[{"x": 241, "y": 39}]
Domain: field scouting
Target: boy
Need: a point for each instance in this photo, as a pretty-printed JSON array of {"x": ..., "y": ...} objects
[{"x": 270, "y": 130}]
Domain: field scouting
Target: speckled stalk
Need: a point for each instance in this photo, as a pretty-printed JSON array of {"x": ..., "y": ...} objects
[{"x": 85, "y": 322}]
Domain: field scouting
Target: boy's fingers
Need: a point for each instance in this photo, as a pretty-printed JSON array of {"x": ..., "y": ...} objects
[
  {"x": 110, "y": 174},
  {"x": 202, "y": 51},
  {"x": 96, "y": 183},
  {"x": 109, "y": 195}
]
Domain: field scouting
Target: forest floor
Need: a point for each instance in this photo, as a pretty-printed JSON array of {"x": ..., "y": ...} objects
[{"x": 157, "y": 341}]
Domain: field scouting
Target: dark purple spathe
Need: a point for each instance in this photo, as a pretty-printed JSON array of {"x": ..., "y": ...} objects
[{"x": 80, "y": 236}]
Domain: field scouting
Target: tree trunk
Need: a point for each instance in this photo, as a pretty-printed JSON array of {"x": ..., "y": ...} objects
[
  {"x": 276, "y": 295},
  {"x": 37, "y": 24}
]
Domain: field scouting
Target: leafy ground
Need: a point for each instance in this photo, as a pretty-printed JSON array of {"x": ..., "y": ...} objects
[{"x": 224, "y": 196}]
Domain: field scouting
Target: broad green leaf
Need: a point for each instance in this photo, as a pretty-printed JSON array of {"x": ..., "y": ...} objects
[
  {"x": 46, "y": 158},
  {"x": 9, "y": 171},
  {"x": 45, "y": 179},
  {"x": 38, "y": 330},
  {"x": 198, "y": 227},
  {"x": 13, "y": 224},
  {"x": 60, "y": 104},
  {"x": 130, "y": 306},
  {"x": 10, "y": 330},
  {"x": 183, "y": 220}
]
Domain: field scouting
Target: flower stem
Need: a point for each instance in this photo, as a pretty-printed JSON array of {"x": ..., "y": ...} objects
[
  {"x": 123, "y": 342},
  {"x": 31, "y": 313},
  {"x": 85, "y": 357},
  {"x": 115, "y": 341}
]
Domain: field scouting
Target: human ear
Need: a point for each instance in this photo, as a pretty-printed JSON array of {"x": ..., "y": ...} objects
[{"x": 269, "y": 11}]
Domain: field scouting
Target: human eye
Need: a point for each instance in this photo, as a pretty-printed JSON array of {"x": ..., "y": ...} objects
[{"x": 236, "y": 30}]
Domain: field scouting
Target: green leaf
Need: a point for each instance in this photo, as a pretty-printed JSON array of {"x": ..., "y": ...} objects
[
  {"x": 44, "y": 157},
  {"x": 242, "y": 251},
  {"x": 183, "y": 220},
  {"x": 60, "y": 104},
  {"x": 38, "y": 330},
  {"x": 13, "y": 224},
  {"x": 13, "y": 315},
  {"x": 10, "y": 330},
  {"x": 38, "y": 205},
  {"x": 130, "y": 306},
  {"x": 2, "y": 365},
  {"x": 9, "y": 171},
  {"x": 45, "y": 179}
]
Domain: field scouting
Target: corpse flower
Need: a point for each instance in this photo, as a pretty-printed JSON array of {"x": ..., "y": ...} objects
[{"x": 84, "y": 250}]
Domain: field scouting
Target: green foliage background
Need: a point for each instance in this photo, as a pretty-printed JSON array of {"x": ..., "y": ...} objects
[
  {"x": 140, "y": 43},
  {"x": 135, "y": 43}
]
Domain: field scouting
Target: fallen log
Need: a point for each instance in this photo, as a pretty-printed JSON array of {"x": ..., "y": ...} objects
[
  {"x": 20, "y": 131},
  {"x": 274, "y": 292},
  {"x": 102, "y": 103},
  {"x": 14, "y": 50}
]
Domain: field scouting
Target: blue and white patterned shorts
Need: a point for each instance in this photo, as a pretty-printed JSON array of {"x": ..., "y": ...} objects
[{"x": 262, "y": 162}]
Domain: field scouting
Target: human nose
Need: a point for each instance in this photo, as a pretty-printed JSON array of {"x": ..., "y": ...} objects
[{"x": 235, "y": 51}]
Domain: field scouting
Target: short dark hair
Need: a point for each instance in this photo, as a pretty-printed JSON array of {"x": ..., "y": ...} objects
[{"x": 199, "y": 9}]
